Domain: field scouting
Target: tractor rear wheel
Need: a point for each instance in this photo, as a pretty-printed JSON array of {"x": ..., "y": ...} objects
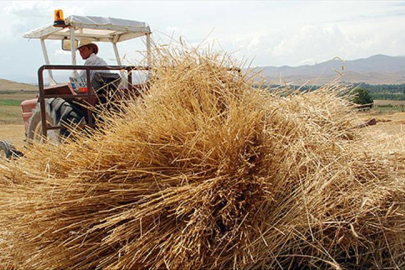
[{"x": 59, "y": 112}]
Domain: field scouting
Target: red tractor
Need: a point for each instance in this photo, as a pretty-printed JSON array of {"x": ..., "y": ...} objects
[{"x": 59, "y": 106}]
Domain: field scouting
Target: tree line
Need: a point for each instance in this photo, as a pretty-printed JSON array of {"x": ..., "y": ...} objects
[
  {"x": 363, "y": 93},
  {"x": 384, "y": 91}
]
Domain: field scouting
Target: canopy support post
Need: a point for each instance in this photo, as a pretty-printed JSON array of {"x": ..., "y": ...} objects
[
  {"x": 45, "y": 52},
  {"x": 148, "y": 54}
]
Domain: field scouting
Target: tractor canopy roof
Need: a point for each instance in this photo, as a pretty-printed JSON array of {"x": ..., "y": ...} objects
[{"x": 99, "y": 29}]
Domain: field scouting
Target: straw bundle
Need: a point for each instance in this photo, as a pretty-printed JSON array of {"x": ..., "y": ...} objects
[{"x": 206, "y": 173}]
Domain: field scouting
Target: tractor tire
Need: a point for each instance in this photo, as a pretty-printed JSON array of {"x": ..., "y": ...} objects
[{"x": 59, "y": 112}]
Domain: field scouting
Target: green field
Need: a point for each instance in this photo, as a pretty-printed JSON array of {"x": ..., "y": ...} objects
[
  {"x": 9, "y": 102},
  {"x": 10, "y": 105}
]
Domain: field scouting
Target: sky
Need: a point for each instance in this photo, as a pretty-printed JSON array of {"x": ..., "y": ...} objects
[{"x": 263, "y": 33}]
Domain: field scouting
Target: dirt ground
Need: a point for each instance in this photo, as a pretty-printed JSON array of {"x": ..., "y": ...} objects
[
  {"x": 13, "y": 133},
  {"x": 389, "y": 102}
]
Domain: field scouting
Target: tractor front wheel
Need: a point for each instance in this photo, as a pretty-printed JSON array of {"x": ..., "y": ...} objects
[{"x": 59, "y": 112}]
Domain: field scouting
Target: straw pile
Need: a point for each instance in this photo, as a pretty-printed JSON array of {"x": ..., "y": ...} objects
[{"x": 207, "y": 173}]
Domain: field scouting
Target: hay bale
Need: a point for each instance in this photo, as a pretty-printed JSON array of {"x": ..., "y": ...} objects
[{"x": 206, "y": 173}]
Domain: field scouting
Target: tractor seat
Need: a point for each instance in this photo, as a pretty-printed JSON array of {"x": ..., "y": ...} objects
[{"x": 105, "y": 83}]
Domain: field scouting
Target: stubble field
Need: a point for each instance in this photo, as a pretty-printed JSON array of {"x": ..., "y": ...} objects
[{"x": 388, "y": 135}]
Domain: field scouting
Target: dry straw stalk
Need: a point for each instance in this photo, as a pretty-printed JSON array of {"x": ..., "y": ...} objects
[{"x": 206, "y": 172}]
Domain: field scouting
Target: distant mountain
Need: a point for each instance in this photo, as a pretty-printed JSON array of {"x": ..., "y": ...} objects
[
  {"x": 377, "y": 69},
  {"x": 15, "y": 86}
]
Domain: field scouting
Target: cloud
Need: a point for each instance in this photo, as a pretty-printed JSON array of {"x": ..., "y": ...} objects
[
  {"x": 270, "y": 32},
  {"x": 18, "y": 17},
  {"x": 350, "y": 37},
  {"x": 28, "y": 9}
]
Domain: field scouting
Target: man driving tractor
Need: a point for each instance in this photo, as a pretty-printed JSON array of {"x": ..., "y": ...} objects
[
  {"x": 88, "y": 51},
  {"x": 60, "y": 107}
]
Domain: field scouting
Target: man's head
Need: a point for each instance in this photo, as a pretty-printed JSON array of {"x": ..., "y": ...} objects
[{"x": 86, "y": 48}]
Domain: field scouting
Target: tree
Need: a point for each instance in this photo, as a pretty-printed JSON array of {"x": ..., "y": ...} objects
[{"x": 362, "y": 96}]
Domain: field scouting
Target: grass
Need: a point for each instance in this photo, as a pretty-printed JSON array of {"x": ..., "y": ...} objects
[{"x": 10, "y": 102}]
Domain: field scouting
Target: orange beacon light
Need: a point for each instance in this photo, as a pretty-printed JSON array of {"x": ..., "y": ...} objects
[{"x": 59, "y": 20}]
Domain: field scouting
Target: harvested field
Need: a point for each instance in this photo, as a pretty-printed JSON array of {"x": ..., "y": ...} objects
[
  {"x": 13, "y": 133},
  {"x": 207, "y": 173},
  {"x": 10, "y": 115},
  {"x": 389, "y": 102},
  {"x": 387, "y": 136}
]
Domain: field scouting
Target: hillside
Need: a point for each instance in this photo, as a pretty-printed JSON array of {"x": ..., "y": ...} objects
[
  {"x": 377, "y": 69},
  {"x": 6, "y": 85}
]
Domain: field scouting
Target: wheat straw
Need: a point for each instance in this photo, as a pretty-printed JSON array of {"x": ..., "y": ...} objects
[{"x": 206, "y": 172}]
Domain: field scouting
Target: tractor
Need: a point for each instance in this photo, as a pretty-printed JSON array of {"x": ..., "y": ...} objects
[{"x": 58, "y": 107}]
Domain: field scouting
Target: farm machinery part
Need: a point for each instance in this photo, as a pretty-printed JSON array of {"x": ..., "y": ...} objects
[
  {"x": 58, "y": 106},
  {"x": 8, "y": 150}
]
